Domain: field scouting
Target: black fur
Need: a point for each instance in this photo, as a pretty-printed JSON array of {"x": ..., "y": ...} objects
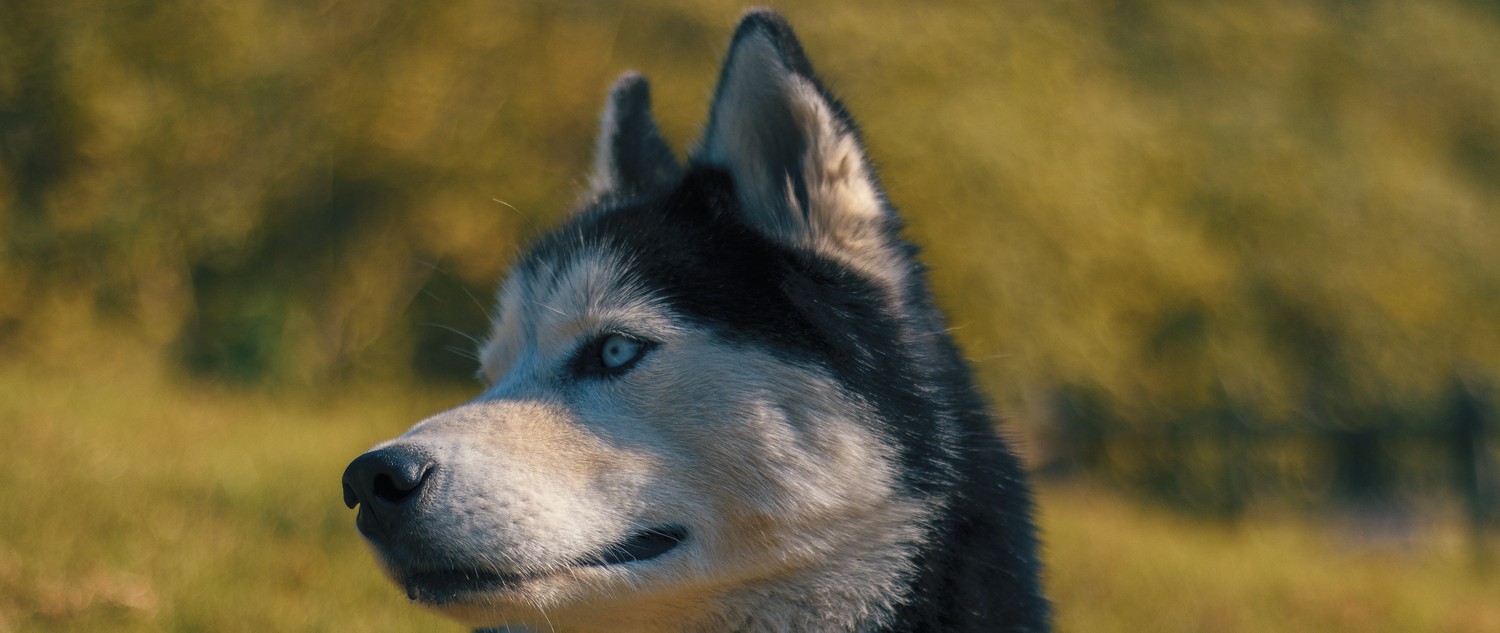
[{"x": 639, "y": 158}]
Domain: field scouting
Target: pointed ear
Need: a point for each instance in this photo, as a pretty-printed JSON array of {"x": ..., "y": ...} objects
[
  {"x": 794, "y": 154},
  {"x": 631, "y": 156}
]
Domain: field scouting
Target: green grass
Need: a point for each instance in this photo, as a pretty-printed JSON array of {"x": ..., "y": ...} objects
[
  {"x": 131, "y": 505},
  {"x": 135, "y": 503},
  {"x": 1114, "y": 566}
]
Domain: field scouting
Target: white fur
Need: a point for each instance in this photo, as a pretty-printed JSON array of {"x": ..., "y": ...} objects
[{"x": 847, "y": 215}]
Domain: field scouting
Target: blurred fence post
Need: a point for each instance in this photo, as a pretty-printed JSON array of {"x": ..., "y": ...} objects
[
  {"x": 1234, "y": 436},
  {"x": 1083, "y": 419},
  {"x": 1473, "y": 475},
  {"x": 1362, "y": 469}
]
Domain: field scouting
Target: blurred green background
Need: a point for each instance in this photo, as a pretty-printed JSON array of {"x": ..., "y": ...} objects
[{"x": 1231, "y": 268}]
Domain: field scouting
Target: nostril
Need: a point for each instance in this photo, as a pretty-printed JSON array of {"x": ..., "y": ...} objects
[{"x": 388, "y": 489}]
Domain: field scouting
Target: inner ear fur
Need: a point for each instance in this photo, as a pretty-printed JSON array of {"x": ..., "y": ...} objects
[{"x": 794, "y": 154}]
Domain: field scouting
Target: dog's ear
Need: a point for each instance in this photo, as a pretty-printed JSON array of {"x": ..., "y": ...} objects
[
  {"x": 631, "y": 156},
  {"x": 794, "y": 154}
]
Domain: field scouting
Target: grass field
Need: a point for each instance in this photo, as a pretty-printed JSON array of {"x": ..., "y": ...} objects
[{"x": 133, "y": 503}]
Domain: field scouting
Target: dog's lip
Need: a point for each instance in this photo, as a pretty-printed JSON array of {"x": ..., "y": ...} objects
[
  {"x": 642, "y": 545},
  {"x": 441, "y": 586},
  {"x": 447, "y": 585}
]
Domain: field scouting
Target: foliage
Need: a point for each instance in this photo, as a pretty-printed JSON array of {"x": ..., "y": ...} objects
[{"x": 1284, "y": 203}]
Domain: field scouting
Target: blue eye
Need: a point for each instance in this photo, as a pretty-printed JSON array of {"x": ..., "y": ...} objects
[
  {"x": 617, "y": 351},
  {"x": 609, "y": 355}
]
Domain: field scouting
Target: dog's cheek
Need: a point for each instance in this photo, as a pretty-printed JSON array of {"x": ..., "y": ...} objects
[{"x": 775, "y": 447}]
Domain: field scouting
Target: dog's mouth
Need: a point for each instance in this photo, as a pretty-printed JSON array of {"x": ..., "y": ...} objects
[
  {"x": 450, "y": 585},
  {"x": 643, "y": 545}
]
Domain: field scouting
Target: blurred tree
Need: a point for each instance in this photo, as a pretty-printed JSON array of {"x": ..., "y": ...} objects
[{"x": 1280, "y": 210}]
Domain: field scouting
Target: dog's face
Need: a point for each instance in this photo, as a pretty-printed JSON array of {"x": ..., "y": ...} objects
[{"x": 666, "y": 437}]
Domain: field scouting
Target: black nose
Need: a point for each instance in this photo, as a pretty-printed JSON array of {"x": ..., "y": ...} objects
[{"x": 385, "y": 484}]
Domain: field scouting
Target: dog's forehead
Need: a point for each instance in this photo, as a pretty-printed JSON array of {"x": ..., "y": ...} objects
[
  {"x": 683, "y": 258},
  {"x": 576, "y": 281},
  {"x": 568, "y": 283},
  {"x": 566, "y": 291}
]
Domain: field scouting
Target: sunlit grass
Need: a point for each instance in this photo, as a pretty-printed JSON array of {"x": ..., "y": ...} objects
[
  {"x": 1115, "y": 566},
  {"x": 133, "y": 503}
]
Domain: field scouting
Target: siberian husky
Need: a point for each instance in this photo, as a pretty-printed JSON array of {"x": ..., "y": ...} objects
[{"x": 719, "y": 398}]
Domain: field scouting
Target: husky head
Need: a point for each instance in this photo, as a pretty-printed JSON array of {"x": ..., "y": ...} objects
[{"x": 702, "y": 409}]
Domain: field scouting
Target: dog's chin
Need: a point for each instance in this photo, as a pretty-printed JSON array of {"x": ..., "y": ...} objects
[{"x": 457, "y": 586}]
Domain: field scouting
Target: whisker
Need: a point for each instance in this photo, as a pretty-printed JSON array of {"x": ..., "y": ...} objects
[
  {"x": 468, "y": 337},
  {"x": 463, "y": 352}
]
